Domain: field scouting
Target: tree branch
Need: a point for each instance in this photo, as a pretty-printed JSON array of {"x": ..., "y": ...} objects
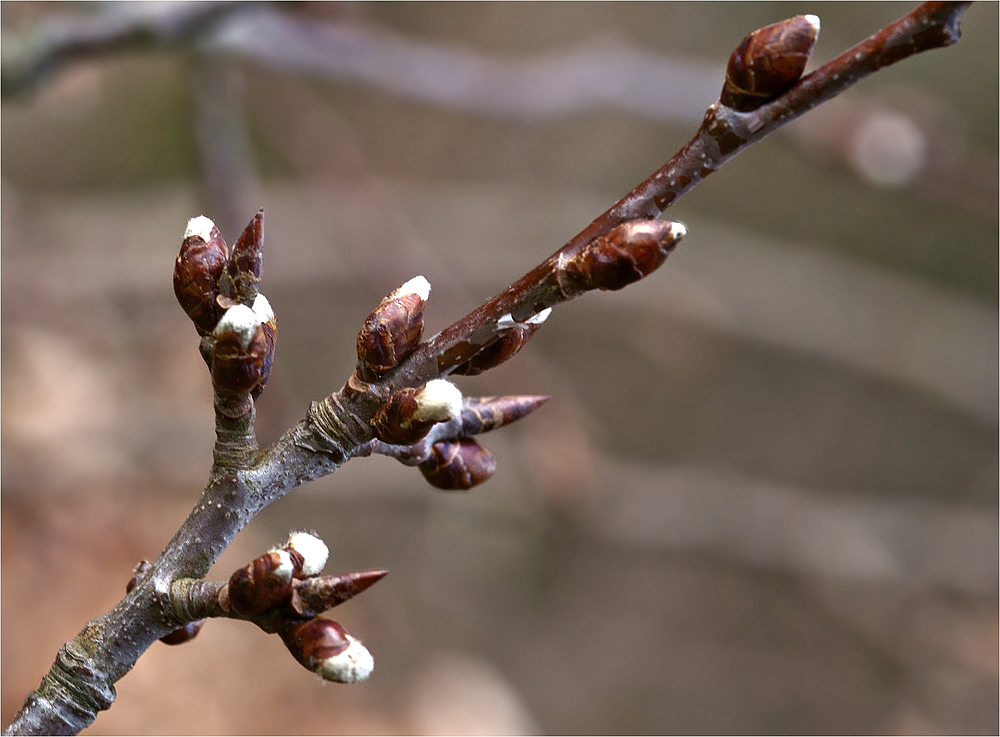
[{"x": 393, "y": 404}]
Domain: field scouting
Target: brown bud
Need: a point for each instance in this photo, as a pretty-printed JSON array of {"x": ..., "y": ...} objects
[
  {"x": 394, "y": 328},
  {"x": 241, "y": 359},
  {"x": 408, "y": 414},
  {"x": 197, "y": 270},
  {"x": 185, "y": 634},
  {"x": 506, "y": 346},
  {"x": 315, "y": 595},
  {"x": 626, "y": 254},
  {"x": 240, "y": 280},
  {"x": 768, "y": 62},
  {"x": 324, "y": 647},
  {"x": 482, "y": 414},
  {"x": 458, "y": 465},
  {"x": 263, "y": 583}
]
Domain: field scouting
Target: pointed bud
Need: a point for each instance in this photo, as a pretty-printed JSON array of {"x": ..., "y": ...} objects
[
  {"x": 409, "y": 414},
  {"x": 312, "y": 551},
  {"x": 197, "y": 270},
  {"x": 768, "y": 62},
  {"x": 394, "y": 328},
  {"x": 458, "y": 465},
  {"x": 506, "y": 346},
  {"x": 626, "y": 254},
  {"x": 324, "y": 647},
  {"x": 263, "y": 583},
  {"x": 240, "y": 280},
  {"x": 315, "y": 595},
  {"x": 482, "y": 414}
]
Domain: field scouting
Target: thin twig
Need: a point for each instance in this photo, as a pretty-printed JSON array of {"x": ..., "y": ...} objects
[{"x": 80, "y": 683}]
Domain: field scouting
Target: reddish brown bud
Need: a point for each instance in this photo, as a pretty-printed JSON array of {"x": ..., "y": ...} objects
[
  {"x": 240, "y": 280},
  {"x": 315, "y": 595},
  {"x": 409, "y": 414},
  {"x": 394, "y": 328},
  {"x": 768, "y": 62},
  {"x": 185, "y": 634},
  {"x": 506, "y": 346},
  {"x": 626, "y": 254},
  {"x": 324, "y": 647},
  {"x": 196, "y": 273},
  {"x": 241, "y": 359},
  {"x": 263, "y": 583},
  {"x": 482, "y": 414},
  {"x": 458, "y": 465}
]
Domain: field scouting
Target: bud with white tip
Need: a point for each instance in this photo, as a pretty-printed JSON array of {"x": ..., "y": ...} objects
[
  {"x": 768, "y": 62},
  {"x": 393, "y": 329},
  {"x": 504, "y": 348},
  {"x": 263, "y": 583},
  {"x": 408, "y": 415},
  {"x": 197, "y": 270},
  {"x": 241, "y": 359},
  {"x": 627, "y": 253},
  {"x": 324, "y": 647}
]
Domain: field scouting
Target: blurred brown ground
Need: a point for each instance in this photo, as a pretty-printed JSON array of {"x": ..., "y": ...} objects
[{"x": 763, "y": 498}]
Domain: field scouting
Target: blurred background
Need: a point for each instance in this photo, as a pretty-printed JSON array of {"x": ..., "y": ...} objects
[{"x": 763, "y": 497}]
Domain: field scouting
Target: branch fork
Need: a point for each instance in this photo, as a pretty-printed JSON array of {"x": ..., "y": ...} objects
[{"x": 398, "y": 401}]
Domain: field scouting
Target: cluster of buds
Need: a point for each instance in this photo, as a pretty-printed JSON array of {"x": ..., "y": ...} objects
[
  {"x": 768, "y": 62},
  {"x": 624, "y": 255},
  {"x": 219, "y": 292},
  {"x": 284, "y": 587}
]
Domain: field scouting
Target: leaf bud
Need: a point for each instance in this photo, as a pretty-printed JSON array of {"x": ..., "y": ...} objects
[
  {"x": 197, "y": 270},
  {"x": 506, "y": 346},
  {"x": 409, "y": 414},
  {"x": 627, "y": 253},
  {"x": 315, "y": 595},
  {"x": 458, "y": 465},
  {"x": 482, "y": 414},
  {"x": 240, "y": 280},
  {"x": 768, "y": 62},
  {"x": 263, "y": 583},
  {"x": 394, "y": 328},
  {"x": 324, "y": 647}
]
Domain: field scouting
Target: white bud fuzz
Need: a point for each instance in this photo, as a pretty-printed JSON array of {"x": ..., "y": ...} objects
[
  {"x": 200, "y": 226},
  {"x": 262, "y": 308},
  {"x": 813, "y": 20},
  {"x": 418, "y": 285},
  {"x": 241, "y": 320},
  {"x": 314, "y": 552},
  {"x": 286, "y": 568},
  {"x": 350, "y": 666},
  {"x": 438, "y": 401},
  {"x": 678, "y": 229}
]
